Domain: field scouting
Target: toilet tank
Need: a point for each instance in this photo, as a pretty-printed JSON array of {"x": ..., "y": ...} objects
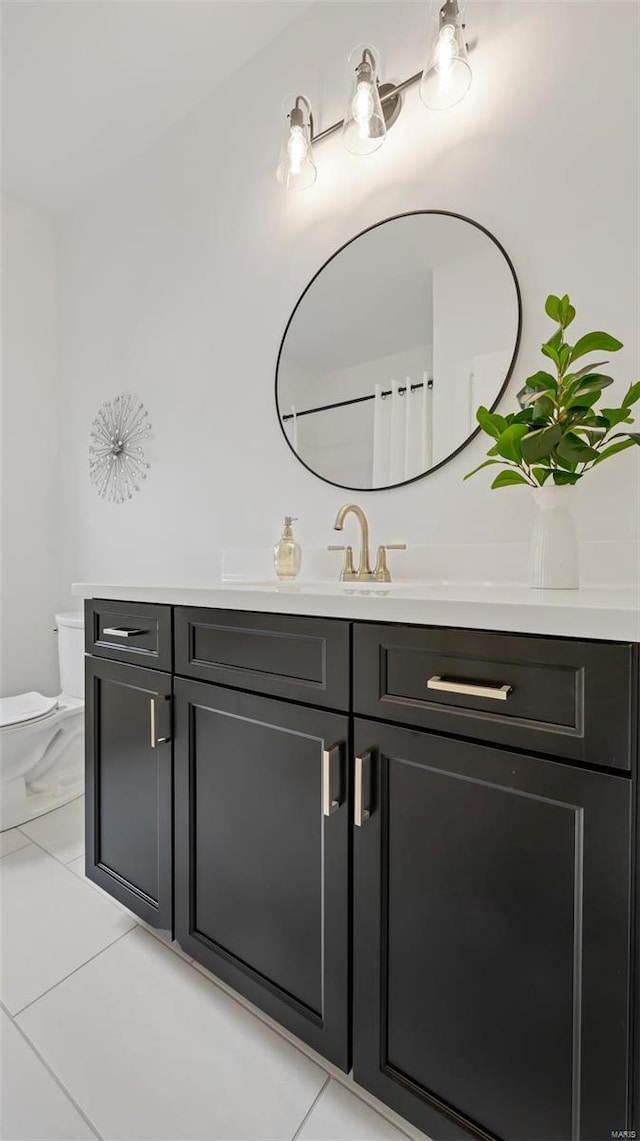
[{"x": 71, "y": 653}]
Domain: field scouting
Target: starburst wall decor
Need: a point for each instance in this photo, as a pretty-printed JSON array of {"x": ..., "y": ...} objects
[{"x": 116, "y": 458}]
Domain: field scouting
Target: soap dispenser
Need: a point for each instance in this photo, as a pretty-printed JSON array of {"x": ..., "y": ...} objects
[{"x": 287, "y": 554}]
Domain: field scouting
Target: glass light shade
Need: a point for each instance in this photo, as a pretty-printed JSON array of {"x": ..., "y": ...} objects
[
  {"x": 296, "y": 168},
  {"x": 447, "y": 76},
  {"x": 364, "y": 127}
]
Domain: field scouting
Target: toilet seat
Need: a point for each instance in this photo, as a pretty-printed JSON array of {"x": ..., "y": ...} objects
[
  {"x": 42, "y": 738},
  {"x": 25, "y": 708}
]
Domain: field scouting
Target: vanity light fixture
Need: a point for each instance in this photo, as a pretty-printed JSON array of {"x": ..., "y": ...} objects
[
  {"x": 296, "y": 169},
  {"x": 447, "y": 75},
  {"x": 374, "y": 107}
]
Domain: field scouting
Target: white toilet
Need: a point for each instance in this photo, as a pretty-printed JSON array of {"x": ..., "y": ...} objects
[{"x": 42, "y": 738}]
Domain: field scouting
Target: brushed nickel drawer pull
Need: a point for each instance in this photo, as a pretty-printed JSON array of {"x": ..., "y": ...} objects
[
  {"x": 330, "y": 803},
  {"x": 153, "y": 709},
  {"x": 122, "y": 631},
  {"x": 496, "y": 692},
  {"x": 360, "y": 813}
]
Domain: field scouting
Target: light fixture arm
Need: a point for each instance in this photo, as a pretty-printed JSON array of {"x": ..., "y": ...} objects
[{"x": 296, "y": 115}]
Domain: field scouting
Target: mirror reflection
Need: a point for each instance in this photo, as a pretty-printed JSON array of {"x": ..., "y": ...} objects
[{"x": 392, "y": 347}]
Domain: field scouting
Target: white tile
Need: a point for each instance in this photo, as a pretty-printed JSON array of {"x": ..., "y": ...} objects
[
  {"x": 395, "y": 1119},
  {"x": 151, "y": 1049},
  {"x": 11, "y": 840},
  {"x": 77, "y": 867},
  {"x": 32, "y": 1104},
  {"x": 52, "y": 922},
  {"x": 60, "y": 832},
  {"x": 339, "y": 1115}
]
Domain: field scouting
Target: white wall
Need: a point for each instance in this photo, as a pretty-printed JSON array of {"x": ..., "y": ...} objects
[
  {"x": 30, "y": 541},
  {"x": 177, "y": 281}
]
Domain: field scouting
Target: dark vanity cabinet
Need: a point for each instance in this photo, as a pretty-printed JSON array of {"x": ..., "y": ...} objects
[
  {"x": 129, "y": 771},
  {"x": 491, "y": 926},
  {"x": 492, "y": 891},
  {"x": 262, "y": 816},
  {"x": 413, "y": 847}
]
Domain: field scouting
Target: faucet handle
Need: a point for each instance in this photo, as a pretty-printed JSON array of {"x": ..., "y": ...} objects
[
  {"x": 348, "y": 570},
  {"x": 381, "y": 572}
]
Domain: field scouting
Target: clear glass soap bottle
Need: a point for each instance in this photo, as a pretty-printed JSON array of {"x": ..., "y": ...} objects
[{"x": 287, "y": 555}]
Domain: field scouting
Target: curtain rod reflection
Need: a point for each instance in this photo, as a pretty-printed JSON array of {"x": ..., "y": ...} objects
[{"x": 355, "y": 400}]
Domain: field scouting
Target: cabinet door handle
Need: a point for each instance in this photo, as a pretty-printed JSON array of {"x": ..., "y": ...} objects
[
  {"x": 153, "y": 710},
  {"x": 122, "y": 631},
  {"x": 362, "y": 780},
  {"x": 449, "y": 685},
  {"x": 330, "y": 779}
]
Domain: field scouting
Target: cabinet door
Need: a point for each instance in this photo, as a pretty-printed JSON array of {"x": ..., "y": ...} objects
[
  {"x": 129, "y": 793},
  {"x": 491, "y": 939},
  {"x": 262, "y": 873}
]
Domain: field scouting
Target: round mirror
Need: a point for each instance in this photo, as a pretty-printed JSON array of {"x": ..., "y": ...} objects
[{"x": 393, "y": 345}]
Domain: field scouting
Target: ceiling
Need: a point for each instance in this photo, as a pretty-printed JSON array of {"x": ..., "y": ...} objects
[{"x": 89, "y": 84}]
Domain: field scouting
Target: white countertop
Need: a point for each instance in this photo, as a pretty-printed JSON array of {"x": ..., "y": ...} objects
[{"x": 591, "y": 612}]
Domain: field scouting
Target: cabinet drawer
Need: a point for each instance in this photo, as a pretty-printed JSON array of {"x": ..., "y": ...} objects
[
  {"x": 305, "y": 659},
  {"x": 569, "y": 698},
  {"x": 135, "y": 632}
]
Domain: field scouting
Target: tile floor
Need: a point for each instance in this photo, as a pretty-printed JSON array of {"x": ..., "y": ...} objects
[{"x": 108, "y": 1031}]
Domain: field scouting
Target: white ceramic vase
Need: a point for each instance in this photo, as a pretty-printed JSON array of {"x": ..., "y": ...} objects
[{"x": 554, "y": 545}]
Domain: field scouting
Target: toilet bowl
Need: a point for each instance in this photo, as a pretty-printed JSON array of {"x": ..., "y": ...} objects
[{"x": 42, "y": 738}]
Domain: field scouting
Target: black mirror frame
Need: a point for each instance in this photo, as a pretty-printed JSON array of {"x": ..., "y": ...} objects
[{"x": 472, "y": 435}]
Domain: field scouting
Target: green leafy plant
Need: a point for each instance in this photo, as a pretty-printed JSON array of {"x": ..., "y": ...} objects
[{"x": 559, "y": 433}]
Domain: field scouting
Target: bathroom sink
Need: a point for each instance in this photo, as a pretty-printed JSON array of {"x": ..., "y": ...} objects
[
  {"x": 324, "y": 586},
  {"x": 422, "y": 589}
]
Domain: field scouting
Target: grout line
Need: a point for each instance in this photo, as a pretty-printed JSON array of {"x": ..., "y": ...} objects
[
  {"x": 311, "y": 1107},
  {"x": 20, "y": 848},
  {"x": 100, "y": 891},
  {"x": 56, "y": 808},
  {"x": 389, "y": 1115},
  {"x": 69, "y": 1096},
  {"x": 46, "y": 851},
  {"x": 104, "y": 895},
  {"x": 324, "y": 1064},
  {"x": 171, "y": 945},
  {"x": 177, "y": 950},
  {"x": 19, "y": 828},
  {"x": 75, "y": 970}
]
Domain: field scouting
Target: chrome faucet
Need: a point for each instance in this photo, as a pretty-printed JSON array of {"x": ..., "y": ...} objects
[{"x": 364, "y": 572}]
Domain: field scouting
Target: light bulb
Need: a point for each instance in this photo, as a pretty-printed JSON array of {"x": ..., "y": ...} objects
[
  {"x": 446, "y": 52},
  {"x": 296, "y": 169},
  {"x": 447, "y": 76},
  {"x": 362, "y": 108},
  {"x": 364, "y": 127},
  {"x": 297, "y": 150}
]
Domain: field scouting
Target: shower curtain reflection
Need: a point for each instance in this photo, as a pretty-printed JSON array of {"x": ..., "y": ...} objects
[{"x": 402, "y": 431}]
